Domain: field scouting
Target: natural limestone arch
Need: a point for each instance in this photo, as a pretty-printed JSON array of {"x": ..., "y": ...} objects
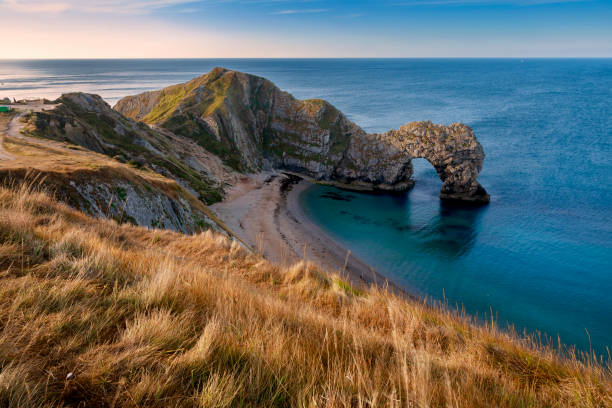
[
  {"x": 454, "y": 153},
  {"x": 384, "y": 161}
]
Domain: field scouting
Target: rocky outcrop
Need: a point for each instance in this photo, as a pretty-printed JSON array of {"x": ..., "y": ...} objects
[
  {"x": 86, "y": 120},
  {"x": 120, "y": 169},
  {"x": 122, "y": 194},
  {"x": 384, "y": 160},
  {"x": 251, "y": 124}
]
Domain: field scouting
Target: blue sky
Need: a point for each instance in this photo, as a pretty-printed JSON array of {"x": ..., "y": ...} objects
[{"x": 307, "y": 28}]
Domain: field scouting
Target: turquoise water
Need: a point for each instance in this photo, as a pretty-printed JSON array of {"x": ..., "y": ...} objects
[{"x": 539, "y": 256}]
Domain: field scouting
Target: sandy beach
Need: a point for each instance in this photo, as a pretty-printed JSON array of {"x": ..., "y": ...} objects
[{"x": 263, "y": 210}]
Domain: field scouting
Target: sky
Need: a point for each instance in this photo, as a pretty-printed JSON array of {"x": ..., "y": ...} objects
[{"x": 305, "y": 28}]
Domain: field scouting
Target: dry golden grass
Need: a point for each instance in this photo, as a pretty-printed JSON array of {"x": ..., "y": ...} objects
[{"x": 155, "y": 318}]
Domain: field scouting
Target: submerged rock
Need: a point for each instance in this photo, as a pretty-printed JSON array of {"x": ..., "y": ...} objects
[{"x": 251, "y": 124}]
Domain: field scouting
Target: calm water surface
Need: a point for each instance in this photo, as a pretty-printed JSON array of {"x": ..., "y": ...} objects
[{"x": 539, "y": 256}]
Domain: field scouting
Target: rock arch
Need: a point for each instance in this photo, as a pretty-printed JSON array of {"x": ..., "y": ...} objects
[
  {"x": 454, "y": 153},
  {"x": 384, "y": 160}
]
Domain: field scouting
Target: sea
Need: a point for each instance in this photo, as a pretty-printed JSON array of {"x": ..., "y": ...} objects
[{"x": 538, "y": 258}]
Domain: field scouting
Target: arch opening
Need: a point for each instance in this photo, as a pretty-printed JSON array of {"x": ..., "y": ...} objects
[{"x": 426, "y": 179}]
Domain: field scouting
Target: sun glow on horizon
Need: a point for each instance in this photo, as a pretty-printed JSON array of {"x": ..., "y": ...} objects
[{"x": 276, "y": 29}]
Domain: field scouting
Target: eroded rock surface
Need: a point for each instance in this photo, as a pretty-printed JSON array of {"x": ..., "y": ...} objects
[
  {"x": 384, "y": 160},
  {"x": 86, "y": 120},
  {"x": 251, "y": 124}
]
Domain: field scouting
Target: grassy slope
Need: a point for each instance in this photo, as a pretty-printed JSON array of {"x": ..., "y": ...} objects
[
  {"x": 104, "y": 126},
  {"x": 220, "y": 94},
  {"x": 54, "y": 164},
  {"x": 178, "y": 110},
  {"x": 155, "y": 318},
  {"x": 172, "y": 97}
]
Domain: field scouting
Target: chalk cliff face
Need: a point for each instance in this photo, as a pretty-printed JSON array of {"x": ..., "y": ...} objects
[{"x": 251, "y": 124}]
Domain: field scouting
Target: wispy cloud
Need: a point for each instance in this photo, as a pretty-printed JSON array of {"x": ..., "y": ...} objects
[
  {"x": 272, "y": 1},
  {"x": 483, "y": 2},
  {"x": 299, "y": 11},
  {"x": 92, "y": 6},
  {"x": 34, "y": 6},
  {"x": 134, "y": 6}
]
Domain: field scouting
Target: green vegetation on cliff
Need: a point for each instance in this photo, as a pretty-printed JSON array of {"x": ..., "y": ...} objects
[
  {"x": 181, "y": 108},
  {"x": 242, "y": 118},
  {"x": 250, "y": 123},
  {"x": 168, "y": 102},
  {"x": 87, "y": 121}
]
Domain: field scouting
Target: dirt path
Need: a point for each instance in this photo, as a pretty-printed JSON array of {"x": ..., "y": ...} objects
[
  {"x": 7, "y": 128},
  {"x": 12, "y": 127},
  {"x": 4, "y": 155}
]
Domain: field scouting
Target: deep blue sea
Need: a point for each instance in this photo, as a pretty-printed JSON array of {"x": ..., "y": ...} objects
[{"x": 539, "y": 256}]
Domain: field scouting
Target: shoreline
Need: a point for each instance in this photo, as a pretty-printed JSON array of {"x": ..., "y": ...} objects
[{"x": 264, "y": 211}]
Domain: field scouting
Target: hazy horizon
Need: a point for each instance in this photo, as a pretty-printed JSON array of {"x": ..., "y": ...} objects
[
  {"x": 169, "y": 29},
  {"x": 306, "y": 58}
]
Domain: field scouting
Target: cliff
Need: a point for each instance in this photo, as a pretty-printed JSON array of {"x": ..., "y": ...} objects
[
  {"x": 251, "y": 124},
  {"x": 44, "y": 153},
  {"x": 86, "y": 120}
]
